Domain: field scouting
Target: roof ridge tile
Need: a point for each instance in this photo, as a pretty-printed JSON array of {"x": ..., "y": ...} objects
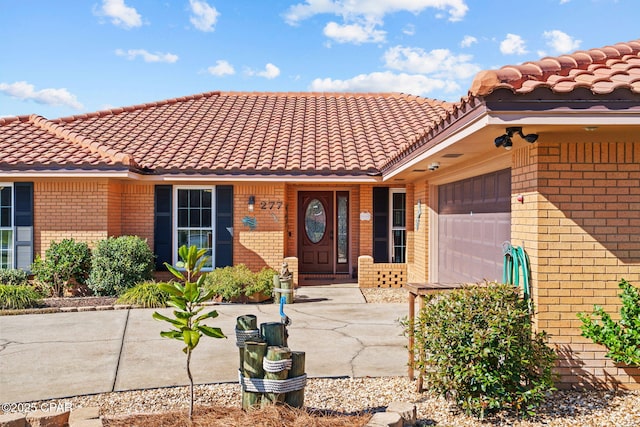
[
  {"x": 84, "y": 141},
  {"x": 137, "y": 107},
  {"x": 11, "y": 119},
  {"x": 514, "y": 76}
]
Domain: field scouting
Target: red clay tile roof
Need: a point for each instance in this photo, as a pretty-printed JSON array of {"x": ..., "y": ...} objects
[
  {"x": 600, "y": 70},
  {"x": 33, "y": 141},
  {"x": 226, "y": 133}
]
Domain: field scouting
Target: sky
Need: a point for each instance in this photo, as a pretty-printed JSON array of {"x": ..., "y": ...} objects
[{"x": 66, "y": 57}]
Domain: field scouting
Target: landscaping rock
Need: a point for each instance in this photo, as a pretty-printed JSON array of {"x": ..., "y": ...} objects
[
  {"x": 13, "y": 420},
  {"x": 48, "y": 418},
  {"x": 96, "y": 422},
  {"x": 385, "y": 419},
  {"x": 406, "y": 410},
  {"x": 81, "y": 414}
]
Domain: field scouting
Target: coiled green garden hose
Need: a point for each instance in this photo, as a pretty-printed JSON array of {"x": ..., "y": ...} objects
[{"x": 516, "y": 268}]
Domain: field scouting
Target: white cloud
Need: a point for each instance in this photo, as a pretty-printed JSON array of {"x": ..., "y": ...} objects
[
  {"x": 132, "y": 54},
  {"x": 26, "y": 91},
  {"x": 121, "y": 15},
  {"x": 438, "y": 62},
  {"x": 222, "y": 68},
  {"x": 354, "y": 33},
  {"x": 385, "y": 82},
  {"x": 409, "y": 29},
  {"x": 204, "y": 16},
  {"x": 513, "y": 45},
  {"x": 468, "y": 41},
  {"x": 354, "y": 9},
  {"x": 270, "y": 72},
  {"x": 561, "y": 42}
]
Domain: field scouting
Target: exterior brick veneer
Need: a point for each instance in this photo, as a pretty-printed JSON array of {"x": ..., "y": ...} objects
[{"x": 579, "y": 222}]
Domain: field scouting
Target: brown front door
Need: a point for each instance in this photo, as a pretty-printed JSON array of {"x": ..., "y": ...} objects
[{"x": 315, "y": 231}]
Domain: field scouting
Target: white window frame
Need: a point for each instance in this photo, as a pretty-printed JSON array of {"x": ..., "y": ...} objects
[
  {"x": 393, "y": 228},
  {"x": 175, "y": 256},
  {"x": 11, "y": 227}
]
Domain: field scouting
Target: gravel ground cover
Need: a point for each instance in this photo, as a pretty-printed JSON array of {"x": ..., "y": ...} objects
[
  {"x": 385, "y": 295},
  {"x": 357, "y": 396},
  {"x": 354, "y": 396}
]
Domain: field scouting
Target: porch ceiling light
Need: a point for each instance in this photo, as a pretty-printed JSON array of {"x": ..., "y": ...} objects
[{"x": 506, "y": 142}]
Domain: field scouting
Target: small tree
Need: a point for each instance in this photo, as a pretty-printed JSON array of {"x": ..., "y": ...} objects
[
  {"x": 186, "y": 298},
  {"x": 63, "y": 262},
  {"x": 622, "y": 339}
]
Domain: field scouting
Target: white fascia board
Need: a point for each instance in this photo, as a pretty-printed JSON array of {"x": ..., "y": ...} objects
[
  {"x": 186, "y": 178},
  {"x": 565, "y": 118},
  {"x": 30, "y": 174},
  {"x": 461, "y": 134},
  {"x": 265, "y": 179},
  {"x": 526, "y": 118}
]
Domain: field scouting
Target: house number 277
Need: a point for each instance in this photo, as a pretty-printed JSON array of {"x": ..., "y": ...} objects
[{"x": 270, "y": 204}]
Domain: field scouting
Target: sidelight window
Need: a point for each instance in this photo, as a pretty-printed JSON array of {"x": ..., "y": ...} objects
[
  {"x": 6, "y": 226},
  {"x": 398, "y": 240}
]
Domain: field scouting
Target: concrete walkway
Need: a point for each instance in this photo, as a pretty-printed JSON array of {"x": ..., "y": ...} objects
[{"x": 45, "y": 356}]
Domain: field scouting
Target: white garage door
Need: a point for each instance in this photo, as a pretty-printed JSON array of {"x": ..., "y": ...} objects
[{"x": 474, "y": 218}]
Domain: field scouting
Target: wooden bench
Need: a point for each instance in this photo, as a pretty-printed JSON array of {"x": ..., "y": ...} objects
[{"x": 421, "y": 290}]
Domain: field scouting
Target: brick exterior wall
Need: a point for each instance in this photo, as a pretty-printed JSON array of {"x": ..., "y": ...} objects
[
  {"x": 366, "y": 227},
  {"x": 418, "y": 266},
  {"x": 264, "y": 245},
  {"x": 381, "y": 274},
  {"x": 580, "y": 222},
  {"x": 89, "y": 211},
  {"x": 70, "y": 209},
  {"x": 137, "y": 211}
]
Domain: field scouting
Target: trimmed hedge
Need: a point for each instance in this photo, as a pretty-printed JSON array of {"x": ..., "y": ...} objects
[
  {"x": 119, "y": 263},
  {"x": 477, "y": 344}
]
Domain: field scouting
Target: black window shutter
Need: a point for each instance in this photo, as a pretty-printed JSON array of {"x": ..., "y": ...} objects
[
  {"x": 163, "y": 226},
  {"x": 23, "y": 221},
  {"x": 380, "y": 224},
  {"x": 224, "y": 226}
]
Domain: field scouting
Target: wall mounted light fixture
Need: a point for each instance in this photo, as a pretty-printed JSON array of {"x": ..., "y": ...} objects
[
  {"x": 252, "y": 203},
  {"x": 505, "y": 140}
]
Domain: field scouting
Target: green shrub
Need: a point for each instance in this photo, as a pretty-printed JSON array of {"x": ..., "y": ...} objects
[
  {"x": 118, "y": 263},
  {"x": 145, "y": 294},
  {"x": 12, "y": 276},
  {"x": 63, "y": 263},
  {"x": 477, "y": 345},
  {"x": 229, "y": 282},
  {"x": 233, "y": 283},
  {"x": 262, "y": 282},
  {"x": 622, "y": 339},
  {"x": 18, "y": 297}
]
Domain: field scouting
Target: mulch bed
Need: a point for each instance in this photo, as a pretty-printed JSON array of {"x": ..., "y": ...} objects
[
  {"x": 78, "y": 302},
  {"x": 270, "y": 416}
]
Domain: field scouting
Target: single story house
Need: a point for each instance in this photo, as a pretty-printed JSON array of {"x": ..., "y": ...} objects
[{"x": 387, "y": 188}]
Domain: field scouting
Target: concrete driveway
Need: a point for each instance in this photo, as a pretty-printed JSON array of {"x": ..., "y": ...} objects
[{"x": 44, "y": 356}]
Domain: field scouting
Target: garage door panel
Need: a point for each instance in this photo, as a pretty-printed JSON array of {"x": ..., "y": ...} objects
[
  {"x": 472, "y": 250},
  {"x": 474, "y": 218}
]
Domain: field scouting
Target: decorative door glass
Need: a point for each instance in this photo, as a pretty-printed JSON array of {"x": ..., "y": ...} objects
[{"x": 315, "y": 221}]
